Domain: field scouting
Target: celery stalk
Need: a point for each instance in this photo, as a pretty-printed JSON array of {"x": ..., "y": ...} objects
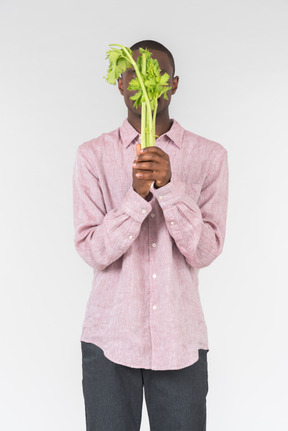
[{"x": 143, "y": 125}]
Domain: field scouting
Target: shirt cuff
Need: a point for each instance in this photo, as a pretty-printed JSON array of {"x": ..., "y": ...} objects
[
  {"x": 135, "y": 206},
  {"x": 169, "y": 194}
]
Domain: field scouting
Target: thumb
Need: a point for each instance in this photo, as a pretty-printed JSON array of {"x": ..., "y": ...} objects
[{"x": 138, "y": 148}]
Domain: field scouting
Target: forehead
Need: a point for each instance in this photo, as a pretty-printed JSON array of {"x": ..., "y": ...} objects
[{"x": 163, "y": 59}]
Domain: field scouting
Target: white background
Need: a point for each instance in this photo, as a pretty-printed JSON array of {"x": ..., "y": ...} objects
[{"x": 232, "y": 61}]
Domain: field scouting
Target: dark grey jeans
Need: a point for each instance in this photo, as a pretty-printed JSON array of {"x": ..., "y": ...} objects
[{"x": 113, "y": 394}]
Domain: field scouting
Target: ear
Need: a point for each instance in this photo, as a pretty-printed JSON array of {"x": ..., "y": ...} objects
[
  {"x": 175, "y": 84},
  {"x": 120, "y": 85}
]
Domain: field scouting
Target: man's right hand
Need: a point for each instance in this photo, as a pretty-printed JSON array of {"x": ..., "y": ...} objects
[{"x": 142, "y": 187}]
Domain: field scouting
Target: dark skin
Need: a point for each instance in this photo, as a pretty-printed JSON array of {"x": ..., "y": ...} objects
[{"x": 151, "y": 163}]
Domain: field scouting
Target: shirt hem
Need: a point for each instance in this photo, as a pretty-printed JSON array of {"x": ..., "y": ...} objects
[{"x": 178, "y": 366}]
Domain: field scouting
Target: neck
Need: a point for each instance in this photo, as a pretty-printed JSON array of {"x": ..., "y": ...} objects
[{"x": 163, "y": 122}]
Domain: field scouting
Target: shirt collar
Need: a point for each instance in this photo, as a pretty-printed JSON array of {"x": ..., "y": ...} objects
[
  {"x": 175, "y": 133},
  {"x": 129, "y": 134}
]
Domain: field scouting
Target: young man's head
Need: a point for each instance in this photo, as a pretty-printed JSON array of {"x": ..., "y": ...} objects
[
  {"x": 166, "y": 63},
  {"x": 152, "y": 45}
]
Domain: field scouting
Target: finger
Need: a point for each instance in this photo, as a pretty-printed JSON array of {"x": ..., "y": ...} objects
[
  {"x": 149, "y": 166},
  {"x": 145, "y": 175},
  {"x": 154, "y": 149},
  {"x": 151, "y": 156},
  {"x": 150, "y": 175},
  {"x": 138, "y": 149}
]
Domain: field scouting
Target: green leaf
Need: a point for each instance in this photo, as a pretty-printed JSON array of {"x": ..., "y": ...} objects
[{"x": 118, "y": 63}]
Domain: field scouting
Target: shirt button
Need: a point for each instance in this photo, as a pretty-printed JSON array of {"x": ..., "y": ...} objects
[
  {"x": 130, "y": 236},
  {"x": 154, "y": 244},
  {"x": 143, "y": 211},
  {"x": 154, "y": 275},
  {"x": 152, "y": 215},
  {"x": 172, "y": 222},
  {"x": 154, "y": 307},
  {"x": 160, "y": 197}
]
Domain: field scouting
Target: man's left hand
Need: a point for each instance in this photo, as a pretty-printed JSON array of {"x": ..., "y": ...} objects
[{"x": 154, "y": 164}]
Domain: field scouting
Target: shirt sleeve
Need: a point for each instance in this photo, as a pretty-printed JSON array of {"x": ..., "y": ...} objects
[
  {"x": 198, "y": 228},
  {"x": 102, "y": 237}
]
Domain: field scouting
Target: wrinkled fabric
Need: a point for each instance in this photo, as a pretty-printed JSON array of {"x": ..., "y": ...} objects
[{"x": 144, "y": 308}]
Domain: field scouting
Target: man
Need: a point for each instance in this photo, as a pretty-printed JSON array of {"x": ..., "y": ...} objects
[{"x": 146, "y": 222}]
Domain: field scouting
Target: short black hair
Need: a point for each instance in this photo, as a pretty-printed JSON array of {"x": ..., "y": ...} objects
[{"x": 152, "y": 44}]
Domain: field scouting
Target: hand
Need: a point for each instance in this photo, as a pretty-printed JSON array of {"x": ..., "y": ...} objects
[
  {"x": 153, "y": 164},
  {"x": 140, "y": 186}
]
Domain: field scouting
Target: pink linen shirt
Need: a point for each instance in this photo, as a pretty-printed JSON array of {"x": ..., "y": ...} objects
[{"x": 144, "y": 308}]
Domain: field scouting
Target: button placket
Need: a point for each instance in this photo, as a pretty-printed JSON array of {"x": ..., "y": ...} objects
[{"x": 153, "y": 289}]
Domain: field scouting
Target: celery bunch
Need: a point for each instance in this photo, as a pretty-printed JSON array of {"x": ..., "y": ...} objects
[{"x": 149, "y": 85}]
